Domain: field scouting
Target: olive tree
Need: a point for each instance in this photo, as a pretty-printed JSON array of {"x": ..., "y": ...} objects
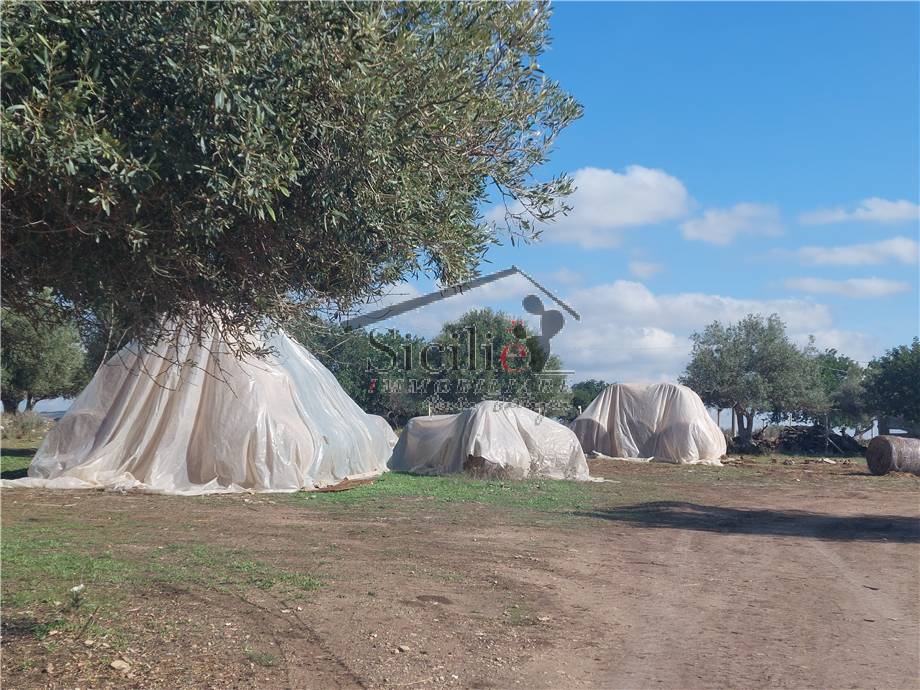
[
  {"x": 841, "y": 399},
  {"x": 752, "y": 367},
  {"x": 892, "y": 387},
  {"x": 38, "y": 360},
  {"x": 234, "y": 164}
]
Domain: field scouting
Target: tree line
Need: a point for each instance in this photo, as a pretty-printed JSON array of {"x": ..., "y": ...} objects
[{"x": 752, "y": 368}]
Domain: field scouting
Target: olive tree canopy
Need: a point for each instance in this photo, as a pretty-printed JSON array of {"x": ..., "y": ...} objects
[
  {"x": 233, "y": 163},
  {"x": 752, "y": 367}
]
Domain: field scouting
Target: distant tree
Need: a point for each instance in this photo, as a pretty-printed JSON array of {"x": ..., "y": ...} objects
[
  {"x": 752, "y": 368},
  {"x": 229, "y": 164},
  {"x": 842, "y": 400},
  {"x": 584, "y": 392},
  {"x": 893, "y": 383},
  {"x": 39, "y": 361}
]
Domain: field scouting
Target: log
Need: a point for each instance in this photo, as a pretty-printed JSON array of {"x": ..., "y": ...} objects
[{"x": 893, "y": 454}]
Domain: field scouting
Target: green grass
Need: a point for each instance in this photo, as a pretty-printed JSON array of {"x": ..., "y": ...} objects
[
  {"x": 533, "y": 494},
  {"x": 38, "y": 569},
  {"x": 224, "y": 568},
  {"x": 15, "y": 456},
  {"x": 260, "y": 658}
]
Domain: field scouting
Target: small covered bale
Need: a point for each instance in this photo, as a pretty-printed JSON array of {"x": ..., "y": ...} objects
[{"x": 893, "y": 454}]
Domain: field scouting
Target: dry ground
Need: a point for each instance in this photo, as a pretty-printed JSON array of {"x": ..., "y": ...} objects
[{"x": 752, "y": 575}]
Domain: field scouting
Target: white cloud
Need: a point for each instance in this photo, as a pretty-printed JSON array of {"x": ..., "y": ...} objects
[
  {"x": 901, "y": 249},
  {"x": 565, "y": 276},
  {"x": 851, "y": 287},
  {"x": 628, "y": 333},
  {"x": 859, "y": 346},
  {"x": 645, "y": 269},
  {"x": 871, "y": 210},
  {"x": 606, "y": 202},
  {"x": 722, "y": 226}
]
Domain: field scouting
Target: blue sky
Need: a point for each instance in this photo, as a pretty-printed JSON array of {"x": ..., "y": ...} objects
[{"x": 732, "y": 158}]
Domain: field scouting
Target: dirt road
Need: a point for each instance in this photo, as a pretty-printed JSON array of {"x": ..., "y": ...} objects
[{"x": 743, "y": 577}]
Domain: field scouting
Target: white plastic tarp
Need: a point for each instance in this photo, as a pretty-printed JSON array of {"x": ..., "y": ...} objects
[
  {"x": 190, "y": 418},
  {"x": 491, "y": 439},
  {"x": 663, "y": 422}
]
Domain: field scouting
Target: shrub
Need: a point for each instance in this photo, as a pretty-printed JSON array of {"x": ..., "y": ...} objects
[{"x": 25, "y": 425}]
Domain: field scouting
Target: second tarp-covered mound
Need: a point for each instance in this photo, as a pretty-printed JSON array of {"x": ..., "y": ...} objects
[
  {"x": 188, "y": 417},
  {"x": 495, "y": 439},
  {"x": 662, "y": 422}
]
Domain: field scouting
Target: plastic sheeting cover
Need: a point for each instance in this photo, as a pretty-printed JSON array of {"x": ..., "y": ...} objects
[
  {"x": 494, "y": 439},
  {"x": 214, "y": 424},
  {"x": 663, "y": 422}
]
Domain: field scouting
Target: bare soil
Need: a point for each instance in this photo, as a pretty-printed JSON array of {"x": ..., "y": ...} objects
[{"x": 754, "y": 575}]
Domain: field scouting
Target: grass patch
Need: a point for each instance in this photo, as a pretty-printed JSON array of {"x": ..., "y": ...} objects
[
  {"x": 39, "y": 569},
  {"x": 15, "y": 456},
  {"x": 533, "y": 494},
  {"x": 223, "y": 568},
  {"x": 260, "y": 658},
  {"x": 519, "y": 615}
]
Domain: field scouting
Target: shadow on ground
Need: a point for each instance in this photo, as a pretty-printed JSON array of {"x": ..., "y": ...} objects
[
  {"x": 19, "y": 452},
  {"x": 792, "y": 523}
]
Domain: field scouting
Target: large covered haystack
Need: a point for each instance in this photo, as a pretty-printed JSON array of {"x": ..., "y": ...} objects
[
  {"x": 190, "y": 418},
  {"x": 494, "y": 439},
  {"x": 663, "y": 422}
]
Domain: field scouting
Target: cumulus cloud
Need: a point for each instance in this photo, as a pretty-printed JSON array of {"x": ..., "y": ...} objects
[
  {"x": 851, "y": 287},
  {"x": 722, "y": 226},
  {"x": 629, "y": 333},
  {"x": 859, "y": 346},
  {"x": 606, "y": 202},
  {"x": 871, "y": 210},
  {"x": 645, "y": 269},
  {"x": 899, "y": 249},
  {"x": 565, "y": 276}
]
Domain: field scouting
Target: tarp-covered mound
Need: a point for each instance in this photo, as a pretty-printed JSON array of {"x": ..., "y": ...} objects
[
  {"x": 663, "y": 422},
  {"x": 190, "y": 418},
  {"x": 495, "y": 439}
]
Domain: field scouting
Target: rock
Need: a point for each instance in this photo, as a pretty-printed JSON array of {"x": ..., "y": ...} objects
[
  {"x": 544, "y": 619},
  {"x": 89, "y": 643},
  {"x": 120, "y": 665},
  {"x": 829, "y": 461},
  {"x": 403, "y": 648}
]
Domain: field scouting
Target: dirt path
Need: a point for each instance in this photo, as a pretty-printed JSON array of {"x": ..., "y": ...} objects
[{"x": 790, "y": 585}]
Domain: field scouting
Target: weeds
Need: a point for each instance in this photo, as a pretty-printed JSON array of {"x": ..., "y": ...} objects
[
  {"x": 24, "y": 425},
  {"x": 260, "y": 658}
]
